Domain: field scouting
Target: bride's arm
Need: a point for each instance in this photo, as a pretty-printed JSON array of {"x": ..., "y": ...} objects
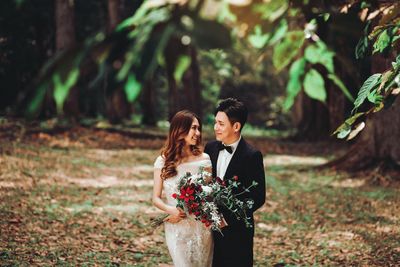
[{"x": 175, "y": 214}]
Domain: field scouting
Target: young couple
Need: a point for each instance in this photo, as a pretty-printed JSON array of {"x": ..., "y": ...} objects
[{"x": 189, "y": 242}]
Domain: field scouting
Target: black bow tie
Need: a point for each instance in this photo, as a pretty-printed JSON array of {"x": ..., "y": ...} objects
[{"x": 227, "y": 148}]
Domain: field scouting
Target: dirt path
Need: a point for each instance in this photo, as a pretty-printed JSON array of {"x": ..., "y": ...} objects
[{"x": 87, "y": 201}]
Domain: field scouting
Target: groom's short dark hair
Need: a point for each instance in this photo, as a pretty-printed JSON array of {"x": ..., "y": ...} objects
[{"x": 234, "y": 109}]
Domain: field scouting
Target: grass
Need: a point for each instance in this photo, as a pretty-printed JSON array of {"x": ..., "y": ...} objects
[{"x": 88, "y": 206}]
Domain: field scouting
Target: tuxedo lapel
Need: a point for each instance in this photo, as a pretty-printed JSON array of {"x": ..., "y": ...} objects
[{"x": 236, "y": 160}]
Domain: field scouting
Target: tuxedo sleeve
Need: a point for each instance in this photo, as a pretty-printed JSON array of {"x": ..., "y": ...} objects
[
  {"x": 207, "y": 149},
  {"x": 256, "y": 168}
]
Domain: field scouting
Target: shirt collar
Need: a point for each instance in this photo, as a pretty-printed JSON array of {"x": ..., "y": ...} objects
[{"x": 235, "y": 144}]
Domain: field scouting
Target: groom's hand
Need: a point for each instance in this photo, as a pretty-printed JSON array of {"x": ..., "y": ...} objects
[{"x": 223, "y": 222}]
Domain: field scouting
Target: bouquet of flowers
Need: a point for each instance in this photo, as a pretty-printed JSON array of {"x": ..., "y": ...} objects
[{"x": 199, "y": 195}]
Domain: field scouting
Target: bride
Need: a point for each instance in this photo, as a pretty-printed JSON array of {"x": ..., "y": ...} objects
[{"x": 189, "y": 242}]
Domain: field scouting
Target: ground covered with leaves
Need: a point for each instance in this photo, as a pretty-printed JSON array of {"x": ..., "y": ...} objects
[{"x": 82, "y": 197}]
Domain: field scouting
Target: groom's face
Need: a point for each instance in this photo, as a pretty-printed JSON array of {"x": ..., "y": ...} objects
[{"x": 223, "y": 128}]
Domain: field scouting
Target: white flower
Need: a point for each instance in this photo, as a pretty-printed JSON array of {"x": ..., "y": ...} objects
[
  {"x": 309, "y": 30},
  {"x": 207, "y": 189},
  {"x": 195, "y": 177},
  {"x": 250, "y": 203},
  {"x": 397, "y": 80}
]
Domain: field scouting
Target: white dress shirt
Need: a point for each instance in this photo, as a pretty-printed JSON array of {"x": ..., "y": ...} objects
[{"x": 224, "y": 157}]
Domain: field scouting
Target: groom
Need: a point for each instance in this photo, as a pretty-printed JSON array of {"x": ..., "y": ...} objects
[{"x": 232, "y": 156}]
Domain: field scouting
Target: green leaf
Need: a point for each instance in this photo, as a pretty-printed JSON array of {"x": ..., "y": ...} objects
[
  {"x": 182, "y": 65},
  {"x": 132, "y": 88},
  {"x": 320, "y": 54},
  {"x": 362, "y": 47},
  {"x": 326, "y": 16},
  {"x": 61, "y": 89},
  {"x": 34, "y": 106},
  {"x": 294, "y": 85},
  {"x": 368, "y": 85},
  {"x": 341, "y": 86},
  {"x": 395, "y": 38},
  {"x": 396, "y": 64},
  {"x": 287, "y": 49},
  {"x": 365, "y": 4},
  {"x": 225, "y": 13},
  {"x": 258, "y": 39},
  {"x": 345, "y": 131},
  {"x": 126, "y": 68},
  {"x": 136, "y": 18},
  {"x": 314, "y": 85},
  {"x": 142, "y": 36},
  {"x": 347, "y": 124},
  {"x": 138, "y": 256},
  {"x": 363, "y": 43},
  {"x": 382, "y": 42},
  {"x": 374, "y": 97},
  {"x": 272, "y": 10},
  {"x": 151, "y": 53},
  {"x": 19, "y": 3},
  {"x": 279, "y": 33}
]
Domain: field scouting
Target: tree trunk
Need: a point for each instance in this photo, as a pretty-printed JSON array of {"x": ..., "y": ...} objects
[
  {"x": 378, "y": 143},
  {"x": 113, "y": 14},
  {"x": 191, "y": 84},
  {"x": 336, "y": 107},
  {"x": 149, "y": 116},
  {"x": 341, "y": 33},
  {"x": 187, "y": 94},
  {"x": 118, "y": 107},
  {"x": 173, "y": 50},
  {"x": 172, "y": 92},
  {"x": 65, "y": 26},
  {"x": 311, "y": 119},
  {"x": 65, "y": 39}
]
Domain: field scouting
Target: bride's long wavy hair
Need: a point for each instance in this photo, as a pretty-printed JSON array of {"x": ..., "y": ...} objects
[{"x": 172, "y": 150}]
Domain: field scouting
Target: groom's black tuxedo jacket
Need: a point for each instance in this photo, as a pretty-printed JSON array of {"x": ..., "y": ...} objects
[{"x": 235, "y": 246}]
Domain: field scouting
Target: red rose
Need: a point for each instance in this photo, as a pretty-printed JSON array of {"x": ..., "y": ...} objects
[
  {"x": 174, "y": 195},
  {"x": 235, "y": 178}
]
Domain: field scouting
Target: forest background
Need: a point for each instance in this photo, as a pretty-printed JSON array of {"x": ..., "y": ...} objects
[{"x": 87, "y": 88}]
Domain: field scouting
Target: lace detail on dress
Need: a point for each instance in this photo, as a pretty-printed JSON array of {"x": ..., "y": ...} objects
[{"x": 189, "y": 242}]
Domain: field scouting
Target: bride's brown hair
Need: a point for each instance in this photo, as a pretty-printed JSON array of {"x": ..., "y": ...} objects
[{"x": 172, "y": 150}]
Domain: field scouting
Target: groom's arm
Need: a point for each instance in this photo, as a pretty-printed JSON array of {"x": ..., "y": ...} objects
[
  {"x": 254, "y": 172},
  {"x": 257, "y": 174}
]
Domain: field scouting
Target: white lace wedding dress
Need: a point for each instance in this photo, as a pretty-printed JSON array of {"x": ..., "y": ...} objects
[{"x": 189, "y": 242}]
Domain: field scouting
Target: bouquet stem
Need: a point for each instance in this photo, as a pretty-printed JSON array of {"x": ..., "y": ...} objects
[{"x": 158, "y": 220}]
